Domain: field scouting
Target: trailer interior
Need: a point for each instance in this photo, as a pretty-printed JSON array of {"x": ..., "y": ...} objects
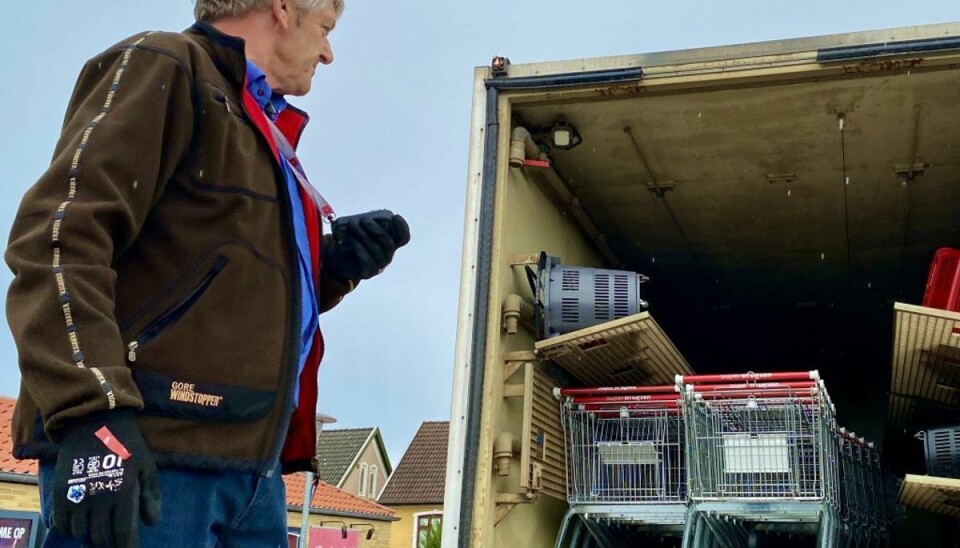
[{"x": 781, "y": 205}]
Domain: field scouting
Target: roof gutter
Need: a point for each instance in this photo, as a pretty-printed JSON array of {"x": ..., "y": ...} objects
[
  {"x": 612, "y": 76},
  {"x": 341, "y": 513},
  {"x": 906, "y": 47},
  {"x": 23, "y": 479}
]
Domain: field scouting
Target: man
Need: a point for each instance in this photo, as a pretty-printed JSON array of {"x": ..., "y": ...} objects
[{"x": 169, "y": 270}]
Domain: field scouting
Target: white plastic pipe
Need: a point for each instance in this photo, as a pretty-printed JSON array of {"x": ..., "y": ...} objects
[{"x": 522, "y": 147}]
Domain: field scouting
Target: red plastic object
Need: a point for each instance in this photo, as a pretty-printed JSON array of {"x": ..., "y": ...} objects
[
  {"x": 536, "y": 163},
  {"x": 619, "y": 390},
  {"x": 749, "y": 377},
  {"x": 943, "y": 283}
]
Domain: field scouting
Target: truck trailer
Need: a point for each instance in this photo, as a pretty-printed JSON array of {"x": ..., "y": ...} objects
[{"x": 779, "y": 205}]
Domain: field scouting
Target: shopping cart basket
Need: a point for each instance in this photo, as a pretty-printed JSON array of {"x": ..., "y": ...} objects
[
  {"x": 624, "y": 444},
  {"x": 756, "y": 440}
]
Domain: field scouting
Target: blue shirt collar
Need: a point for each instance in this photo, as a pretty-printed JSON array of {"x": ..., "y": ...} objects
[{"x": 271, "y": 103}]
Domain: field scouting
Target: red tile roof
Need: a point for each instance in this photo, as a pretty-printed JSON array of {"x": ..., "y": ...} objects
[
  {"x": 328, "y": 497},
  {"x": 7, "y": 462}
]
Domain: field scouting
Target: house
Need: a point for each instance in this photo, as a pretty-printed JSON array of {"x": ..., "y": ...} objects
[
  {"x": 334, "y": 512},
  {"x": 331, "y": 509},
  {"x": 354, "y": 460},
  {"x": 19, "y": 495},
  {"x": 415, "y": 490}
]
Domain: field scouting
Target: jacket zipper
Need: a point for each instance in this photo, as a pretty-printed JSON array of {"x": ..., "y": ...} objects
[
  {"x": 297, "y": 311},
  {"x": 296, "y": 308},
  {"x": 175, "y": 312},
  {"x": 288, "y": 403}
]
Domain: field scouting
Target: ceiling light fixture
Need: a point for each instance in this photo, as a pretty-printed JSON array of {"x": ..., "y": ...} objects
[{"x": 564, "y": 136}]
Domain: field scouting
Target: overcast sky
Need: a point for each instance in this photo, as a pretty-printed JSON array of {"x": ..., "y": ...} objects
[{"x": 389, "y": 129}]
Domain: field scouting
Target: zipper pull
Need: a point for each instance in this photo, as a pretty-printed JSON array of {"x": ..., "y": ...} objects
[
  {"x": 221, "y": 98},
  {"x": 132, "y": 351}
]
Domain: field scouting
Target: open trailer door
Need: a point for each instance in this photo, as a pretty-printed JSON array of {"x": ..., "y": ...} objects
[{"x": 781, "y": 196}]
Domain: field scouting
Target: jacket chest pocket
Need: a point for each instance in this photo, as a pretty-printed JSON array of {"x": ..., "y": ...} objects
[{"x": 230, "y": 156}]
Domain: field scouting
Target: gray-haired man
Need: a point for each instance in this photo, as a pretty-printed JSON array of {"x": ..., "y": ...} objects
[{"x": 169, "y": 270}]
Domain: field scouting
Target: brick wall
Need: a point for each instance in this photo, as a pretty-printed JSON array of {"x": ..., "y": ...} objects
[{"x": 19, "y": 497}]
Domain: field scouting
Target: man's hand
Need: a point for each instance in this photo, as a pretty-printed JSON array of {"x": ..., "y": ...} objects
[
  {"x": 363, "y": 245},
  {"x": 105, "y": 482}
]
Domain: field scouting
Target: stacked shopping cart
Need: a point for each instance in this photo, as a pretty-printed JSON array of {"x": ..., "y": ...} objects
[
  {"x": 626, "y": 453},
  {"x": 728, "y": 458},
  {"x": 860, "y": 496}
]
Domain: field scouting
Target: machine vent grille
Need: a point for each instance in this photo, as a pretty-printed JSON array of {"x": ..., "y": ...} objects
[
  {"x": 621, "y": 296},
  {"x": 943, "y": 452},
  {"x": 601, "y": 297},
  {"x": 570, "y": 310},
  {"x": 571, "y": 280}
]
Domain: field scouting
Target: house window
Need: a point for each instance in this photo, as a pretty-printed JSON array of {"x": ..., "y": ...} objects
[
  {"x": 293, "y": 537},
  {"x": 373, "y": 482},
  {"x": 426, "y": 523},
  {"x": 362, "y": 490}
]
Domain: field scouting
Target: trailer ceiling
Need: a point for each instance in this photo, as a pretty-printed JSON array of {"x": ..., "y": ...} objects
[{"x": 781, "y": 242}]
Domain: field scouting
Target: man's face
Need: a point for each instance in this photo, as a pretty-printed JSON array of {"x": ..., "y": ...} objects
[{"x": 301, "y": 46}]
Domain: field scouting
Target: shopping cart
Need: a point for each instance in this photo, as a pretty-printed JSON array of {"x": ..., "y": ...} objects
[
  {"x": 766, "y": 449},
  {"x": 756, "y": 441},
  {"x": 758, "y": 447},
  {"x": 861, "y": 501},
  {"x": 626, "y": 453},
  {"x": 722, "y": 459}
]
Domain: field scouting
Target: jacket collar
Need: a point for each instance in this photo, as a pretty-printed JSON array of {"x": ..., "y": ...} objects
[
  {"x": 226, "y": 51},
  {"x": 229, "y": 55}
]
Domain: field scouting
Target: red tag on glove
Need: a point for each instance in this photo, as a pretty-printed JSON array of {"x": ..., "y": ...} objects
[{"x": 112, "y": 443}]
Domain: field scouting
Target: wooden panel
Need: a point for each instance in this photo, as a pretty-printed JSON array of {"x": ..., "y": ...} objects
[
  {"x": 629, "y": 351},
  {"x": 925, "y": 387},
  {"x": 933, "y": 494},
  {"x": 546, "y": 420}
]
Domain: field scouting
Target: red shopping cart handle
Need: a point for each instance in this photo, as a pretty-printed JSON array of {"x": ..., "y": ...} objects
[
  {"x": 620, "y": 390},
  {"x": 748, "y": 377},
  {"x": 639, "y": 398},
  {"x": 795, "y": 385},
  {"x": 639, "y": 411},
  {"x": 759, "y": 394},
  {"x": 647, "y": 405},
  {"x": 766, "y": 399}
]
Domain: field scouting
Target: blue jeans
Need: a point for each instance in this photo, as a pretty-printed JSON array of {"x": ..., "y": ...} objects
[{"x": 202, "y": 508}]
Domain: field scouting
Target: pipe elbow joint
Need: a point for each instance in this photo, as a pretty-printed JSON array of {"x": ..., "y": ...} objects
[
  {"x": 515, "y": 309},
  {"x": 522, "y": 147},
  {"x": 503, "y": 451}
]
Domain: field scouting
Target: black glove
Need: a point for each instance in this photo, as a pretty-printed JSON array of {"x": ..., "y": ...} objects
[
  {"x": 363, "y": 245},
  {"x": 105, "y": 482}
]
